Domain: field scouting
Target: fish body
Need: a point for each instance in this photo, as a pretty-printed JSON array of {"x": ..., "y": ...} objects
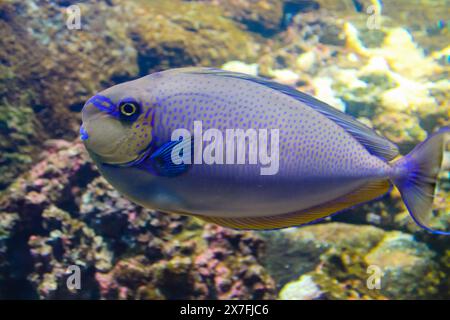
[{"x": 325, "y": 160}]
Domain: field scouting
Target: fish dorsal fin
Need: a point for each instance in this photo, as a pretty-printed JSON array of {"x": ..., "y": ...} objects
[
  {"x": 375, "y": 144},
  {"x": 363, "y": 194}
]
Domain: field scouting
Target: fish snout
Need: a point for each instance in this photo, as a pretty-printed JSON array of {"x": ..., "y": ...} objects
[
  {"x": 87, "y": 112},
  {"x": 99, "y": 129},
  {"x": 83, "y": 133}
]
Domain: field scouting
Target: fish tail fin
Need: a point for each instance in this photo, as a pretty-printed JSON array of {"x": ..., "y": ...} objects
[{"x": 415, "y": 175}]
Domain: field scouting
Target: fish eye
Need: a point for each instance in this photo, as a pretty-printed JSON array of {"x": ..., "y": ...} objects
[{"x": 129, "y": 110}]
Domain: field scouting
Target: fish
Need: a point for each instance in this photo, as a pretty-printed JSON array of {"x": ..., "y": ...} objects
[{"x": 147, "y": 135}]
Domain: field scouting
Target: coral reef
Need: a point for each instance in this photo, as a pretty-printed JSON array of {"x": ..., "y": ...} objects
[
  {"x": 62, "y": 214},
  {"x": 213, "y": 263},
  {"x": 63, "y": 242},
  {"x": 32, "y": 207}
]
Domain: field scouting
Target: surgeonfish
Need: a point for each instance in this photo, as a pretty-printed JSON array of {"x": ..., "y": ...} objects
[{"x": 313, "y": 160}]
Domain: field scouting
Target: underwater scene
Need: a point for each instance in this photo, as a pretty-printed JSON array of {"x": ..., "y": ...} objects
[{"x": 105, "y": 194}]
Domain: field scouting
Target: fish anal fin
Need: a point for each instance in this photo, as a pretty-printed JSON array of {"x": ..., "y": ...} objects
[{"x": 366, "y": 193}]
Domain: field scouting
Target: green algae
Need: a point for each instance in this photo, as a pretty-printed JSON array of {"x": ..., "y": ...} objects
[
  {"x": 18, "y": 128},
  {"x": 187, "y": 33}
]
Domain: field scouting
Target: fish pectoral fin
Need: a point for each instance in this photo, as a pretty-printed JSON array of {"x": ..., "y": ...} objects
[
  {"x": 161, "y": 159},
  {"x": 366, "y": 193}
]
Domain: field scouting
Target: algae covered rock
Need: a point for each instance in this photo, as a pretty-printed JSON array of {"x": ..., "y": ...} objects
[
  {"x": 422, "y": 17},
  {"x": 66, "y": 242},
  {"x": 171, "y": 34},
  {"x": 292, "y": 252},
  {"x": 19, "y": 133},
  {"x": 33, "y": 206},
  {"x": 342, "y": 258},
  {"x": 8, "y": 222},
  {"x": 406, "y": 136},
  {"x": 19, "y": 128},
  {"x": 210, "y": 264},
  {"x": 264, "y": 16},
  {"x": 409, "y": 269}
]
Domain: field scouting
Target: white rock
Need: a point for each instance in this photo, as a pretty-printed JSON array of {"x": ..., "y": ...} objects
[
  {"x": 306, "y": 61},
  {"x": 285, "y": 76},
  {"x": 325, "y": 93},
  {"x": 302, "y": 289},
  {"x": 238, "y": 66}
]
